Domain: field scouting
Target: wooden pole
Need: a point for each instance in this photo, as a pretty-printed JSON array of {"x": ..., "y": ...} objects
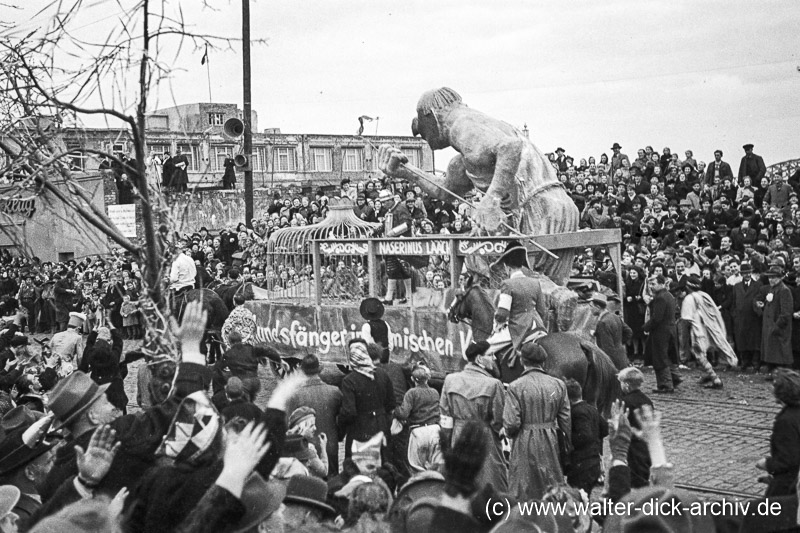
[{"x": 248, "y": 115}]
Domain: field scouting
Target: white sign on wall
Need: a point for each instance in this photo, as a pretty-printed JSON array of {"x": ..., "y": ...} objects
[{"x": 124, "y": 217}]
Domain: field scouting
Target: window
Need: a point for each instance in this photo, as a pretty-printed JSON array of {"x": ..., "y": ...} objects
[
  {"x": 77, "y": 160},
  {"x": 192, "y": 153},
  {"x": 220, "y": 153},
  {"x": 158, "y": 149},
  {"x": 353, "y": 159},
  {"x": 414, "y": 156},
  {"x": 118, "y": 149},
  {"x": 283, "y": 159},
  {"x": 216, "y": 119},
  {"x": 320, "y": 159}
]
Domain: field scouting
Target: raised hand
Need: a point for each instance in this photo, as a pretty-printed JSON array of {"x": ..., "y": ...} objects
[
  {"x": 244, "y": 450},
  {"x": 649, "y": 422},
  {"x": 193, "y": 325},
  {"x": 286, "y": 389},
  {"x": 116, "y": 505},
  {"x": 95, "y": 462}
]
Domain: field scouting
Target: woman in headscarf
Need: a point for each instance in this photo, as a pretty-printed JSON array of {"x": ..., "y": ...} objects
[{"x": 367, "y": 398}]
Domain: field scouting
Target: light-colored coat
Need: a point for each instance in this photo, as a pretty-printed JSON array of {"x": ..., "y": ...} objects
[
  {"x": 474, "y": 395},
  {"x": 536, "y": 408}
]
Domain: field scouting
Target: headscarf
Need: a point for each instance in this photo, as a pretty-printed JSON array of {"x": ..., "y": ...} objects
[
  {"x": 195, "y": 430},
  {"x": 360, "y": 361}
]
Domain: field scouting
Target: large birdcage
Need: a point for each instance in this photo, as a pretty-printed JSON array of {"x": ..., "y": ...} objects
[{"x": 343, "y": 273}]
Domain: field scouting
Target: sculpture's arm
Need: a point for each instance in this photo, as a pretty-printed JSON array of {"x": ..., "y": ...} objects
[
  {"x": 507, "y": 158},
  {"x": 393, "y": 162}
]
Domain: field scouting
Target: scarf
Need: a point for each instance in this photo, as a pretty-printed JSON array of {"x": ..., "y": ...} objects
[
  {"x": 195, "y": 430},
  {"x": 360, "y": 361}
]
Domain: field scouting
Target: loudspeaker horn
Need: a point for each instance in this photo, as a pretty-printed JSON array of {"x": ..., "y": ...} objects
[{"x": 233, "y": 128}]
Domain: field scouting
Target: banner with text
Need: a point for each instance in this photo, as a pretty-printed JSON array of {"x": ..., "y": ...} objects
[{"x": 295, "y": 330}]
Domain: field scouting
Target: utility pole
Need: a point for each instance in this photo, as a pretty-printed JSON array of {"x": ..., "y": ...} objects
[{"x": 248, "y": 115}]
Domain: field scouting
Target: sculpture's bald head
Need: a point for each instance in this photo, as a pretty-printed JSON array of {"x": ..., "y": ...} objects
[{"x": 427, "y": 122}]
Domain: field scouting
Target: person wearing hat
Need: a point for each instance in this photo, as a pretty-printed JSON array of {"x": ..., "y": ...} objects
[
  {"x": 101, "y": 360},
  {"x": 326, "y": 401},
  {"x": 662, "y": 339},
  {"x": 752, "y": 165},
  {"x": 475, "y": 394},
  {"x": 536, "y": 409},
  {"x": 25, "y": 458},
  {"x": 375, "y": 330},
  {"x": 521, "y": 305},
  {"x": 306, "y": 503},
  {"x": 616, "y": 159},
  {"x": 707, "y": 330},
  {"x": 611, "y": 333},
  {"x": 68, "y": 344},
  {"x": 746, "y": 322},
  {"x": 561, "y": 160},
  {"x": 303, "y": 422},
  {"x": 775, "y": 305},
  {"x": 79, "y": 406}
]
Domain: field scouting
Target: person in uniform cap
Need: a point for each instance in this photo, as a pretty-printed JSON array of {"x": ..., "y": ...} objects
[
  {"x": 537, "y": 408},
  {"x": 475, "y": 395},
  {"x": 68, "y": 344},
  {"x": 775, "y": 305},
  {"x": 752, "y": 165}
]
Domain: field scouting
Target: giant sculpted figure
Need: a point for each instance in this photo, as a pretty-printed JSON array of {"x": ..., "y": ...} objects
[{"x": 519, "y": 183}]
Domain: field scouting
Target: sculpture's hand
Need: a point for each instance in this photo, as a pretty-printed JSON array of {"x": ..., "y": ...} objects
[
  {"x": 488, "y": 215},
  {"x": 390, "y": 159}
]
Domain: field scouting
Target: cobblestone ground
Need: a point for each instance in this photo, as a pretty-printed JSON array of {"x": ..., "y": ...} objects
[{"x": 713, "y": 437}]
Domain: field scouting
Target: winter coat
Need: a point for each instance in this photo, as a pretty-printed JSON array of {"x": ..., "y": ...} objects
[
  {"x": 746, "y": 321},
  {"x": 536, "y": 409},
  {"x": 776, "y": 327}
]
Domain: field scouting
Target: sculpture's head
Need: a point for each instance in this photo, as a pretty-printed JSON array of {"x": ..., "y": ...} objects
[{"x": 430, "y": 107}]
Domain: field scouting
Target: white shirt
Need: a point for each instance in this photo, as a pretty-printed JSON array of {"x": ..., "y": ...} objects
[{"x": 183, "y": 272}]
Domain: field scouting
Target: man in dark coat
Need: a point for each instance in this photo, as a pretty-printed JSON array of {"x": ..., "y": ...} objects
[
  {"x": 101, "y": 358},
  {"x": 611, "y": 332},
  {"x": 180, "y": 177},
  {"x": 326, "y": 400},
  {"x": 752, "y": 165},
  {"x": 167, "y": 169},
  {"x": 746, "y": 322},
  {"x": 718, "y": 168},
  {"x": 775, "y": 305},
  {"x": 631, "y": 380},
  {"x": 783, "y": 461},
  {"x": 663, "y": 340},
  {"x": 229, "y": 178}
]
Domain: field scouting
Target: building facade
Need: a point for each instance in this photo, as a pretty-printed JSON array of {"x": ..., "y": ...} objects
[{"x": 278, "y": 159}]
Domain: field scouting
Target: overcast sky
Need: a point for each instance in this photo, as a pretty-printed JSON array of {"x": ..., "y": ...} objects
[{"x": 686, "y": 74}]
